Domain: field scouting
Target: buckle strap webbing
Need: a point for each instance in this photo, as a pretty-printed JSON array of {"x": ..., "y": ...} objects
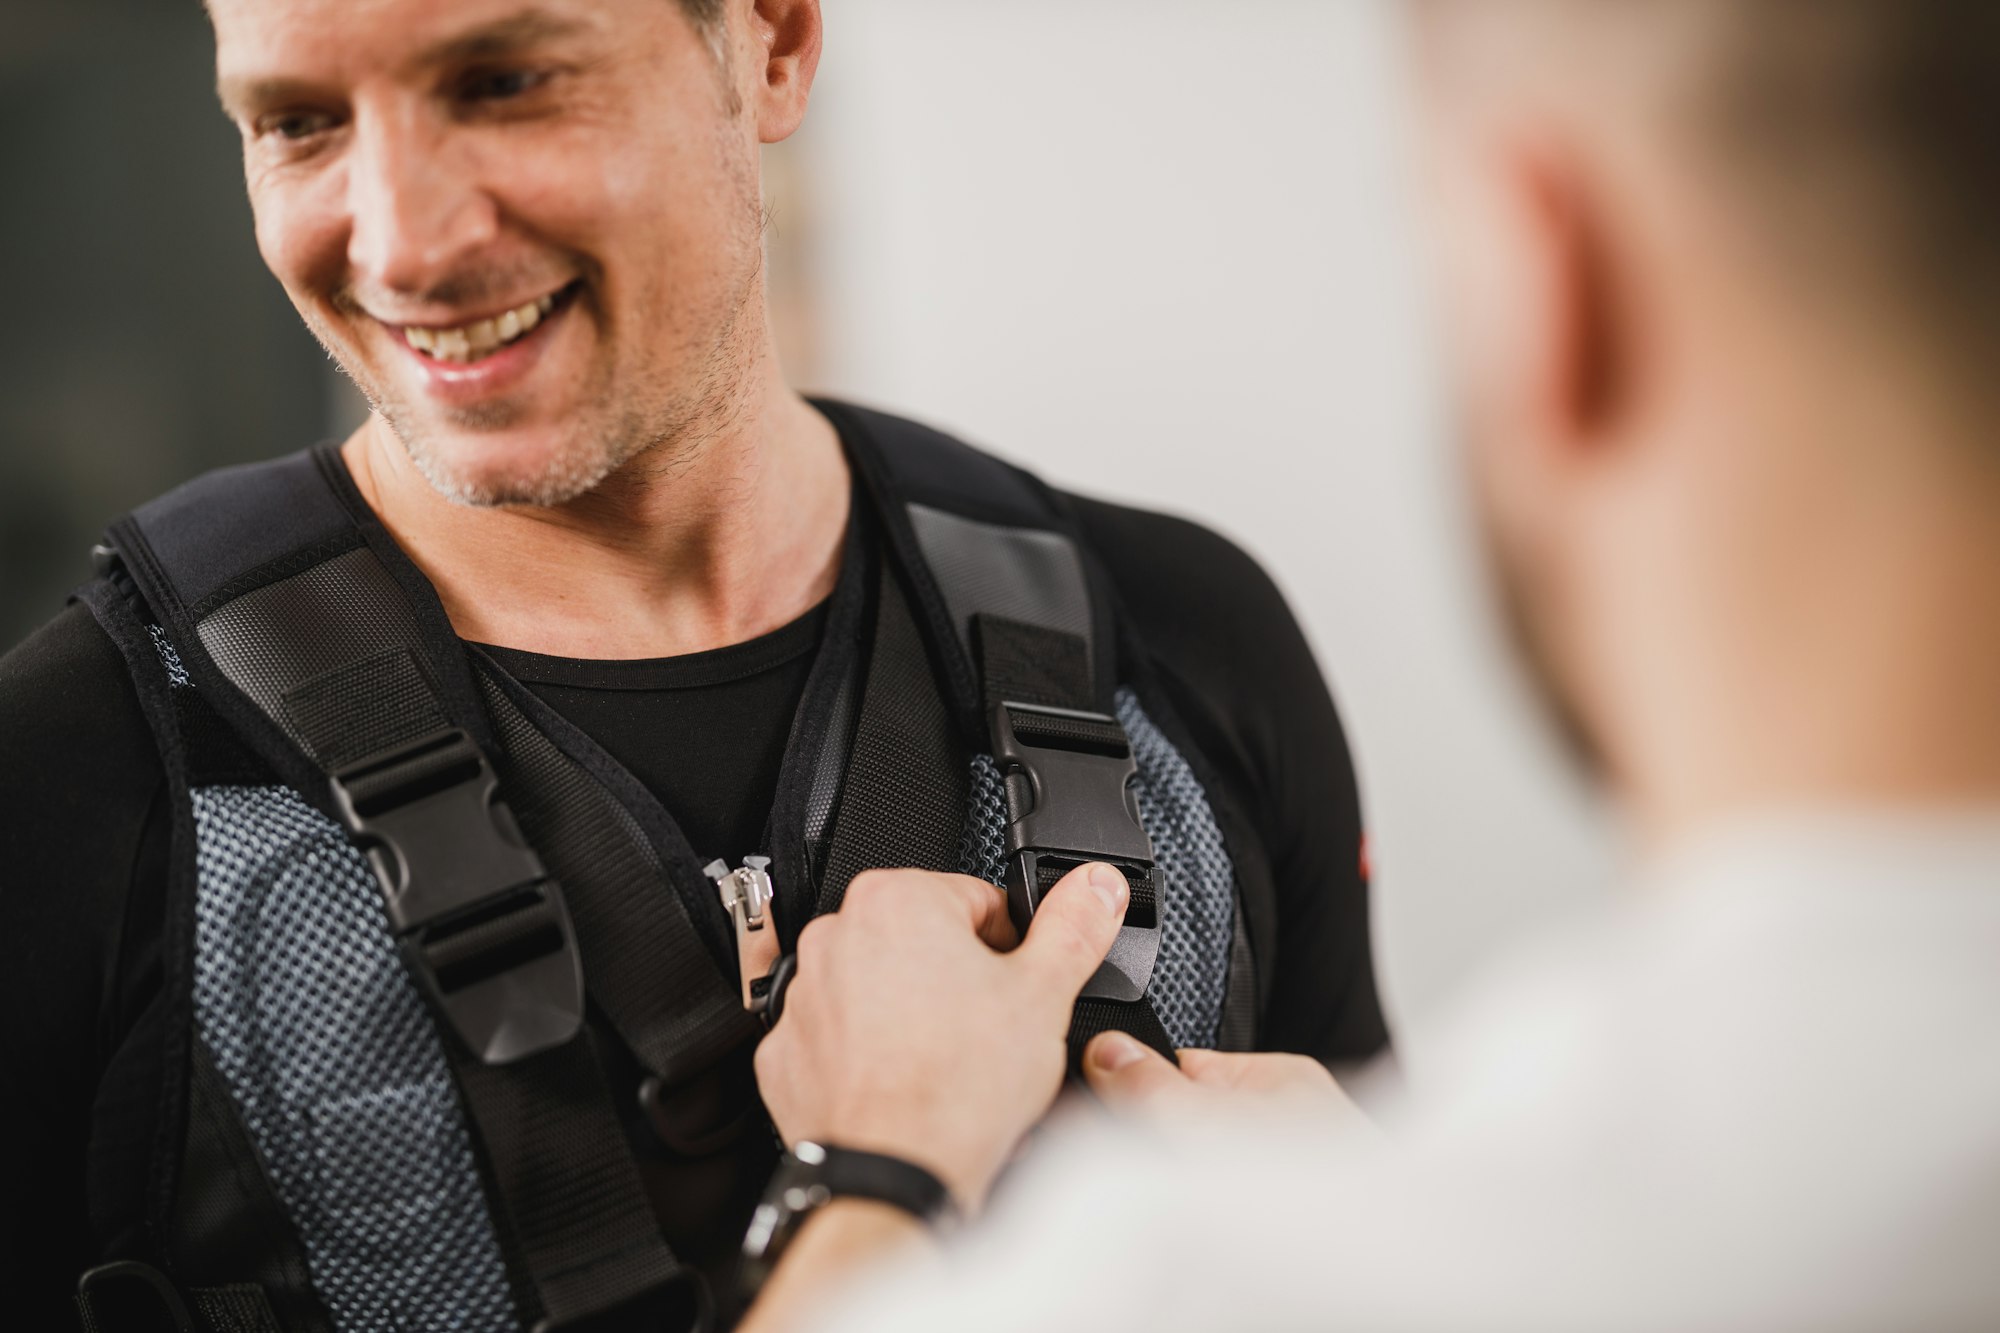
[
  {"x": 333, "y": 666},
  {"x": 573, "y": 1215},
  {"x": 644, "y": 963},
  {"x": 1068, "y": 771},
  {"x": 1021, "y": 636},
  {"x": 903, "y": 803},
  {"x": 576, "y": 1217}
]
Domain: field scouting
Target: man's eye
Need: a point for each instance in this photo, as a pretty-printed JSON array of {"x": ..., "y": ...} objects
[
  {"x": 498, "y": 85},
  {"x": 294, "y": 125}
]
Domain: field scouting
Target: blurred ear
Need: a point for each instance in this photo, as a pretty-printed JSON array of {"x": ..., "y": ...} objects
[
  {"x": 1577, "y": 364},
  {"x": 786, "y": 35}
]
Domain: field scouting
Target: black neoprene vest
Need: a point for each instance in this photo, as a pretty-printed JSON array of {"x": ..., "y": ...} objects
[{"x": 383, "y": 1105}]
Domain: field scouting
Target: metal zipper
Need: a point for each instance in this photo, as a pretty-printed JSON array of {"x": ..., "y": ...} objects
[{"x": 750, "y": 898}]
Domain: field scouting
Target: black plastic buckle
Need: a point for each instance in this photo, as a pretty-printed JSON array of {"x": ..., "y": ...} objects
[
  {"x": 131, "y": 1295},
  {"x": 477, "y": 916},
  {"x": 1069, "y": 781}
]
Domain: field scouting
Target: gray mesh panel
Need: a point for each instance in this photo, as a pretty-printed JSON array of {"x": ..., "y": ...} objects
[
  {"x": 1198, "y": 897},
  {"x": 982, "y": 847},
  {"x": 334, "y": 1065}
]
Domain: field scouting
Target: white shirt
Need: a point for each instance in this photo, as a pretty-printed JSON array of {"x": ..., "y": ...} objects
[{"x": 1763, "y": 1093}]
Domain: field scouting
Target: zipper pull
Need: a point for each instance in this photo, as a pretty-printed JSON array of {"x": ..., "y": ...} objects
[{"x": 751, "y": 901}]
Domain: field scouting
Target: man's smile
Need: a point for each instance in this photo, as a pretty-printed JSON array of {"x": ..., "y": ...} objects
[{"x": 474, "y": 340}]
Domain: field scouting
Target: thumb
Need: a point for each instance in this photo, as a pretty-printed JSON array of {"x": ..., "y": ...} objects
[
  {"x": 1129, "y": 1075},
  {"x": 1075, "y": 926}
]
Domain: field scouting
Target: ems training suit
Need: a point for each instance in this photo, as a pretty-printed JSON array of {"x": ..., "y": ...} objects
[{"x": 157, "y": 1029}]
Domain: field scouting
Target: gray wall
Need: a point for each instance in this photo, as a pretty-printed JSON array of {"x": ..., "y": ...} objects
[{"x": 143, "y": 339}]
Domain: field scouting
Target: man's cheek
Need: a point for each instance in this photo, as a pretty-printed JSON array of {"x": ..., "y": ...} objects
[{"x": 302, "y": 237}]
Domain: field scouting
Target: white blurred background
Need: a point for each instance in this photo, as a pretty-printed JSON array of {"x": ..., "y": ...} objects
[{"x": 1169, "y": 251}]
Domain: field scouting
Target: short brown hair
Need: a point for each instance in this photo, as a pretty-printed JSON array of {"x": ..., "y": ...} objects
[
  {"x": 1886, "y": 112},
  {"x": 1865, "y": 132}
]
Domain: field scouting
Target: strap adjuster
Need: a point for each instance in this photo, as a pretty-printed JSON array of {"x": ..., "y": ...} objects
[
  {"x": 476, "y": 914},
  {"x": 1069, "y": 781}
]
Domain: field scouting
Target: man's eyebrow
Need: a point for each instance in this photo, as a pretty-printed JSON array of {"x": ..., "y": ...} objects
[
  {"x": 239, "y": 96},
  {"x": 503, "y": 36}
]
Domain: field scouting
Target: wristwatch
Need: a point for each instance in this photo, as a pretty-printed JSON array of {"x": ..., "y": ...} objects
[{"x": 813, "y": 1175}]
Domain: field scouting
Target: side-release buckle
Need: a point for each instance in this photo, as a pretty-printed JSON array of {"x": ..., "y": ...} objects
[
  {"x": 478, "y": 918},
  {"x": 1069, "y": 802}
]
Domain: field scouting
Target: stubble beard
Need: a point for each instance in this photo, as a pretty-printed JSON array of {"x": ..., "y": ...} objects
[{"x": 652, "y": 423}]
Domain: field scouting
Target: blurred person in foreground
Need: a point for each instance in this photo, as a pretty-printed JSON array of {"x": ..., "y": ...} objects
[{"x": 1723, "y": 280}]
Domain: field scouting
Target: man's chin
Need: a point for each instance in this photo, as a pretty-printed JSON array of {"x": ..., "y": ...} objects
[{"x": 487, "y": 471}]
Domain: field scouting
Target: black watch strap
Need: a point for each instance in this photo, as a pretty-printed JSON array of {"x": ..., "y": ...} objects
[
  {"x": 813, "y": 1175},
  {"x": 849, "y": 1173}
]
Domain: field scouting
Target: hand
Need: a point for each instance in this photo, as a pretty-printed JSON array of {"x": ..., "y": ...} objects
[
  {"x": 1133, "y": 1079},
  {"x": 906, "y": 1030}
]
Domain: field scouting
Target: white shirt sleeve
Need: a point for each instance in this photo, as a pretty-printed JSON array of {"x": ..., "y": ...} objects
[{"x": 1762, "y": 1101}]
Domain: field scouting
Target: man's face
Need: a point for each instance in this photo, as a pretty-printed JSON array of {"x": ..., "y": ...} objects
[{"x": 528, "y": 229}]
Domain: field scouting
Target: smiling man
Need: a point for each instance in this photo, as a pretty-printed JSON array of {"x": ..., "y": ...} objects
[{"x": 404, "y": 836}]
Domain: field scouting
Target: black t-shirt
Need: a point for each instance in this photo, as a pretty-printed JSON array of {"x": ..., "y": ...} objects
[
  {"x": 84, "y": 820},
  {"x": 705, "y": 732}
]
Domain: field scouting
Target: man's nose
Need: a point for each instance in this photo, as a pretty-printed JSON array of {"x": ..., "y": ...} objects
[{"x": 417, "y": 211}]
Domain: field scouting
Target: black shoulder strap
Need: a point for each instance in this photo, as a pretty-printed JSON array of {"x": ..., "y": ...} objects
[
  {"x": 1027, "y": 652},
  {"x": 904, "y": 798},
  {"x": 295, "y": 614}
]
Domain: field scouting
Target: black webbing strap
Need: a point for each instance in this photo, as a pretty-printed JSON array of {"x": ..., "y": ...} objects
[
  {"x": 572, "y": 1213},
  {"x": 1028, "y": 664},
  {"x": 1023, "y": 664},
  {"x": 643, "y": 962},
  {"x": 330, "y": 661},
  {"x": 903, "y": 802},
  {"x": 981, "y": 541},
  {"x": 575, "y": 1215}
]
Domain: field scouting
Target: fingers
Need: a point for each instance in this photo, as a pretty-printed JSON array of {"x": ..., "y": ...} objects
[
  {"x": 1275, "y": 1080},
  {"x": 1075, "y": 926},
  {"x": 1269, "y": 1072},
  {"x": 986, "y": 904},
  {"x": 983, "y": 906},
  {"x": 1129, "y": 1075}
]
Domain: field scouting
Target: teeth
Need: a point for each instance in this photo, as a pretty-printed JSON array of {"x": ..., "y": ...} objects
[{"x": 471, "y": 341}]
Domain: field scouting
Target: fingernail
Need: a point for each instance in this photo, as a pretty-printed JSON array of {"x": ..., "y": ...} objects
[
  {"x": 1114, "y": 1051},
  {"x": 1110, "y": 886}
]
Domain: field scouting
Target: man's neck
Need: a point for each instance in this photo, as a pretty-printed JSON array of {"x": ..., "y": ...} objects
[
  {"x": 734, "y": 537},
  {"x": 1877, "y": 685}
]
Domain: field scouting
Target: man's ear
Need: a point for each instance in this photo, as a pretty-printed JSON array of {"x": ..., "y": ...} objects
[
  {"x": 786, "y": 36},
  {"x": 1580, "y": 358}
]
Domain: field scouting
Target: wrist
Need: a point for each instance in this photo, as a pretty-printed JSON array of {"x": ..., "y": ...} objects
[
  {"x": 813, "y": 1178},
  {"x": 863, "y": 1226},
  {"x": 960, "y": 1168}
]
